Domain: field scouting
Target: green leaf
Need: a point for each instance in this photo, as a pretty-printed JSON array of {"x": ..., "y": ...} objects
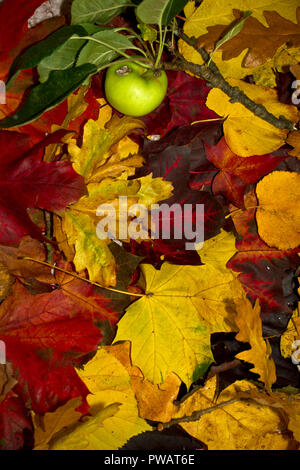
[
  {"x": 148, "y": 33},
  {"x": 160, "y": 12},
  {"x": 36, "y": 53},
  {"x": 47, "y": 95},
  {"x": 65, "y": 56},
  {"x": 234, "y": 31},
  {"x": 97, "y": 11},
  {"x": 102, "y": 54}
]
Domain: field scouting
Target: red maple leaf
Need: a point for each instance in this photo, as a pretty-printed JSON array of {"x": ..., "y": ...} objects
[
  {"x": 15, "y": 422},
  {"x": 236, "y": 172},
  {"x": 45, "y": 335},
  {"x": 183, "y": 104},
  {"x": 26, "y": 181}
]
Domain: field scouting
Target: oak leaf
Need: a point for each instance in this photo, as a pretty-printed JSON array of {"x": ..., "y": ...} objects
[
  {"x": 261, "y": 42},
  {"x": 250, "y": 331},
  {"x": 207, "y": 15}
]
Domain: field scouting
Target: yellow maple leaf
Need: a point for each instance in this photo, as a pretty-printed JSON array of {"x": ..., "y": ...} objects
[
  {"x": 237, "y": 425},
  {"x": 170, "y": 326},
  {"x": 155, "y": 402},
  {"x": 218, "y": 250},
  {"x": 98, "y": 141},
  {"x": 250, "y": 331},
  {"x": 278, "y": 213},
  {"x": 245, "y": 133},
  {"x": 115, "y": 417}
]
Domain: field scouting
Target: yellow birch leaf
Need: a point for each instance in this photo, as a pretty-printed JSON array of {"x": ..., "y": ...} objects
[
  {"x": 245, "y": 133},
  {"x": 241, "y": 425},
  {"x": 109, "y": 384},
  {"x": 170, "y": 326},
  {"x": 250, "y": 331},
  {"x": 45, "y": 427},
  {"x": 278, "y": 213}
]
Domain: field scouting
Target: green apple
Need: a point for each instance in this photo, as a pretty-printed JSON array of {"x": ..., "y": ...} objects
[{"x": 134, "y": 90}]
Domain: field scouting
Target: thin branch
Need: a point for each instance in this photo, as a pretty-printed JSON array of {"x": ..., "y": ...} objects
[
  {"x": 195, "y": 416},
  {"x": 211, "y": 74}
]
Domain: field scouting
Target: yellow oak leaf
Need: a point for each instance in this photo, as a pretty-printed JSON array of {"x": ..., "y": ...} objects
[
  {"x": 115, "y": 417},
  {"x": 79, "y": 222},
  {"x": 45, "y": 427},
  {"x": 245, "y": 133},
  {"x": 238, "y": 425},
  {"x": 170, "y": 326},
  {"x": 155, "y": 402},
  {"x": 278, "y": 213},
  {"x": 250, "y": 331},
  {"x": 98, "y": 141}
]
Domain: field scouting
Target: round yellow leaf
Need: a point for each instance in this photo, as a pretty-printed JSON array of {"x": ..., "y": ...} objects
[{"x": 278, "y": 214}]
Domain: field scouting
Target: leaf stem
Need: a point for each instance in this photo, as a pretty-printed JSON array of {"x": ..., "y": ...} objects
[
  {"x": 52, "y": 266},
  {"x": 103, "y": 43}
]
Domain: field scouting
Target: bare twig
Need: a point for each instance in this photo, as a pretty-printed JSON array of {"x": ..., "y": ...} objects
[{"x": 196, "y": 415}]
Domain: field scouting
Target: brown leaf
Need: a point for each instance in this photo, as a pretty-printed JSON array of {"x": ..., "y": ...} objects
[
  {"x": 7, "y": 379},
  {"x": 261, "y": 42}
]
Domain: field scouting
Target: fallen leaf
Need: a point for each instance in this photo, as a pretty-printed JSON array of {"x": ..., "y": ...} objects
[
  {"x": 155, "y": 402},
  {"x": 250, "y": 331},
  {"x": 50, "y": 186},
  {"x": 110, "y": 389},
  {"x": 185, "y": 303},
  {"x": 7, "y": 379},
  {"x": 245, "y": 133},
  {"x": 260, "y": 41},
  {"x": 236, "y": 172},
  {"x": 235, "y": 426},
  {"x": 45, "y": 427},
  {"x": 278, "y": 195}
]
